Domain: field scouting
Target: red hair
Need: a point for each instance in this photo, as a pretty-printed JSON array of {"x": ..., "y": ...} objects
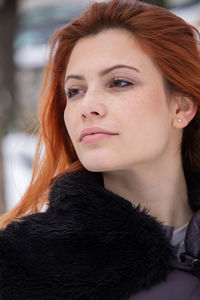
[{"x": 167, "y": 39}]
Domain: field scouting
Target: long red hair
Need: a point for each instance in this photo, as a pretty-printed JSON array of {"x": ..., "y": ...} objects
[{"x": 167, "y": 39}]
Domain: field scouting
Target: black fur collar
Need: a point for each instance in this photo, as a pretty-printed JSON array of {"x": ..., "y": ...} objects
[
  {"x": 120, "y": 246},
  {"x": 89, "y": 244}
]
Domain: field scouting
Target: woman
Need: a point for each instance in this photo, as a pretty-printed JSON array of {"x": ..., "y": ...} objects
[{"x": 120, "y": 172}]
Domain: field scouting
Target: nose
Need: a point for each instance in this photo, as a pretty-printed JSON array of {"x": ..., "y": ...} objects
[{"x": 92, "y": 105}]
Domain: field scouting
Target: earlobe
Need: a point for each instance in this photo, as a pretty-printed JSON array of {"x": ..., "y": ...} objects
[{"x": 185, "y": 111}]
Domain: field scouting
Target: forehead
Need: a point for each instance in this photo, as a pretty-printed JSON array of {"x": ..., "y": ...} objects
[{"x": 108, "y": 48}]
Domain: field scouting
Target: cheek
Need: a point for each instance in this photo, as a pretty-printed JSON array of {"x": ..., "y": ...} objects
[
  {"x": 66, "y": 117},
  {"x": 146, "y": 118},
  {"x": 147, "y": 105},
  {"x": 69, "y": 121}
]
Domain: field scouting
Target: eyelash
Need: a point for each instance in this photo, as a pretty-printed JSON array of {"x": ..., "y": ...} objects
[{"x": 114, "y": 84}]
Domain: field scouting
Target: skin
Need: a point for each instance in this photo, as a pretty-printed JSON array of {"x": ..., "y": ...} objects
[{"x": 142, "y": 163}]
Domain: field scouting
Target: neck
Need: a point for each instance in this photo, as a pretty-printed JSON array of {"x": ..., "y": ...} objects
[{"x": 162, "y": 190}]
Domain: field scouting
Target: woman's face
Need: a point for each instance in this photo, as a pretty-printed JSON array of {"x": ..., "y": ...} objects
[{"x": 112, "y": 84}]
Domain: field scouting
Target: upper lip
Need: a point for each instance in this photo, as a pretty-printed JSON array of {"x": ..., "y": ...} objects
[{"x": 93, "y": 130}]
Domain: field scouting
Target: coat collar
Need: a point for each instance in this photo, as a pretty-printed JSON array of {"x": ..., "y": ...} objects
[
  {"x": 90, "y": 244},
  {"x": 130, "y": 249}
]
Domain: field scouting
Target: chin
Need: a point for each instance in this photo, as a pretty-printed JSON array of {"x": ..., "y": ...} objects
[
  {"x": 99, "y": 161},
  {"x": 97, "y": 167}
]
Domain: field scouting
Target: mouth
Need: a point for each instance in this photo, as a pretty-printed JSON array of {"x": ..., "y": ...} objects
[{"x": 96, "y": 137}]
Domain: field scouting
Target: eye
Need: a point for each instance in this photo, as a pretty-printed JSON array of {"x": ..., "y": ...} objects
[
  {"x": 120, "y": 83},
  {"x": 71, "y": 93}
]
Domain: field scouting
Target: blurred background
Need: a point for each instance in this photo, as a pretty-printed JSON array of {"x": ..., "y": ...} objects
[{"x": 25, "y": 27}]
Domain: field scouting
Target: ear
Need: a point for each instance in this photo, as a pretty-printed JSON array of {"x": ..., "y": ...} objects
[{"x": 184, "y": 111}]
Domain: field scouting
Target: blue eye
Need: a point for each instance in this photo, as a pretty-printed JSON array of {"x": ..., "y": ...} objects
[
  {"x": 120, "y": 83},
  {"x": 73, "y": 92}
]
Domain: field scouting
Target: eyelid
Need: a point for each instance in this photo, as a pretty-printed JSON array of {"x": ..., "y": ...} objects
[
  {"x": 122, "y": 79},
  {"x": 74, "y": 87},
  {"x": 128, "y": 81}
]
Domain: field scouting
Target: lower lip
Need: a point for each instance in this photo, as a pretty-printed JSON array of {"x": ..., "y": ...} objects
[{"x": 95, "y": 137}]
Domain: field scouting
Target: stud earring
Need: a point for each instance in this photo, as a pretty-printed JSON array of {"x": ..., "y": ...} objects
[{"x": 179, "y": 120}]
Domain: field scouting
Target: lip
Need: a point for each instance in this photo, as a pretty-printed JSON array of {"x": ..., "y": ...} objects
[{"x": 93, "y": 130}]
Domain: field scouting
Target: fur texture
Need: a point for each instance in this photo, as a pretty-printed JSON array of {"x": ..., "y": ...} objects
[{"x": 90, "y": 244}]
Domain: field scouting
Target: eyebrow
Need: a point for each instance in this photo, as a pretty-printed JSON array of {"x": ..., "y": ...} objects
[{"x": 103, "y": 72}]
